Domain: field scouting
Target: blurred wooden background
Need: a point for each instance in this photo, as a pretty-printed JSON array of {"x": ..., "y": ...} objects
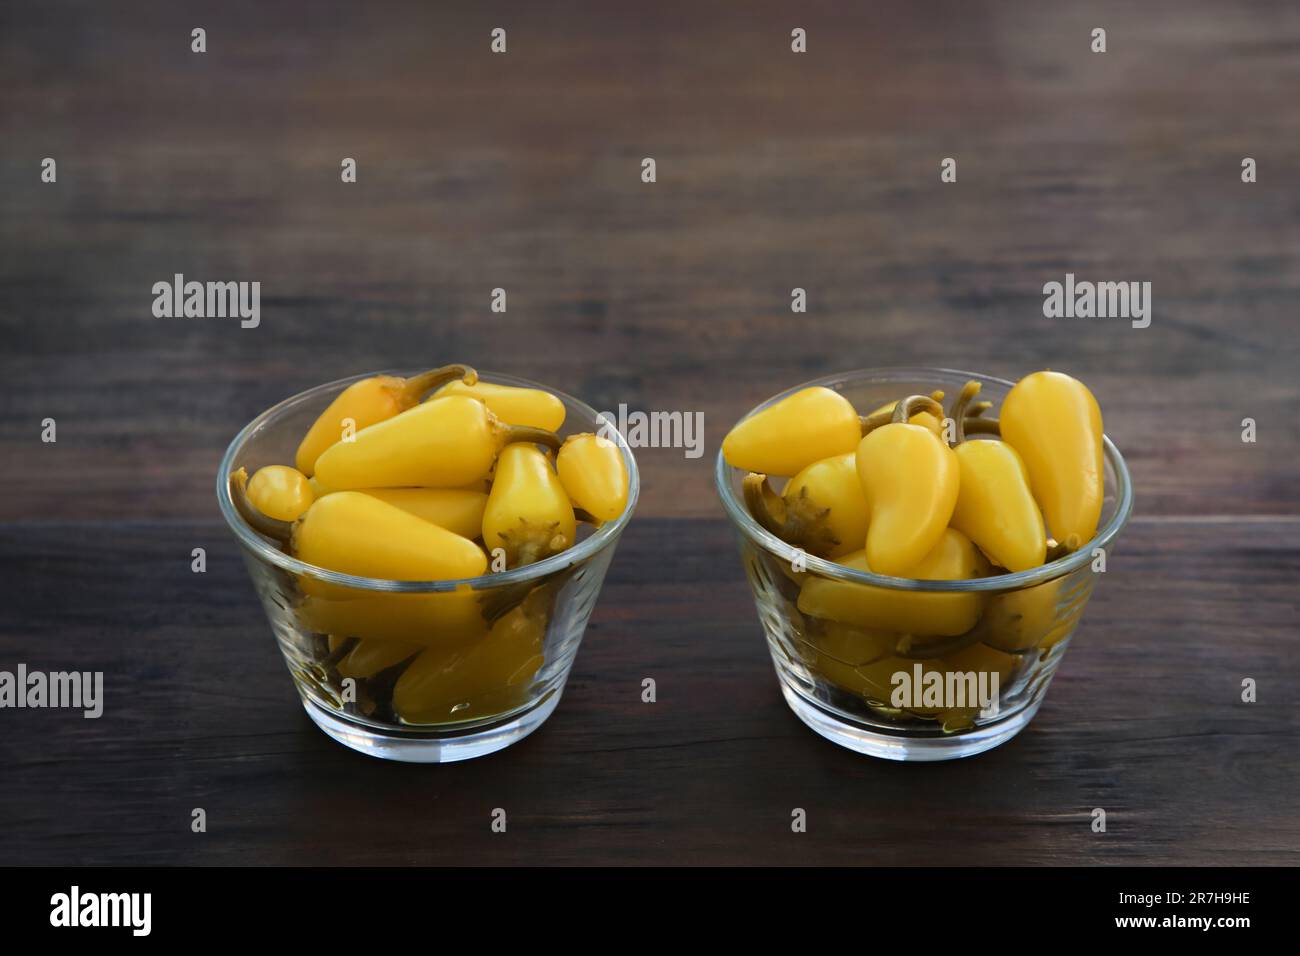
[{"x": 522, "y": 171}]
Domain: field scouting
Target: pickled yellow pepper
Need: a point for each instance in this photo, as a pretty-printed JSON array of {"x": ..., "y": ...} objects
[
  {"x": 370, "y": 657},
  {"x": 358, "y": 534},
  {"x": 367, "y": 403},
  {"x": 1054, "y": 422},
  {"x": 281, "y": 492},
  {"x": 822, "y": 510},
  {"x": 355, "y": 533},
  {"x": 1018, "y": 620},
  {"x": 459, "y": 510},
  {"x": 443, "y": 619},
  {"x": 593, "y": 472},
  {"x": 512, "y": 404},
  {"x": 931, "y": 613},
  {"x": 444, "y": 443},
  {"x": 910, "y": 479},
  {"x": 995, "y": 507},
  {"x": 528, "y": 512},
  {"x": 486, "y": 677},
  {"x": 835, "y": 651},
  {"x": 782, "y": 439}
]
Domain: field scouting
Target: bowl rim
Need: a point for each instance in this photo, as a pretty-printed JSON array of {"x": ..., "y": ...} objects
[
  {"x": 604, "y": 536},
  {"x": 1012, "y": 581}
]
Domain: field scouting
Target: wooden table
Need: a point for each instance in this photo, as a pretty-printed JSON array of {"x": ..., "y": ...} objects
[{"x": 522, "y": 171}]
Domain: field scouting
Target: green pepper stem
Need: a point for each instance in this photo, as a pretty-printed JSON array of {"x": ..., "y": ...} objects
[
  {"x": 528, "y": 433},
  {"x": 964, "y": 397},
  {"x": 417, "y": 386},
  {"x": 1057, "y": 551},
  {"x": 274, "y": 528},
  {"x": 873, "y": 421},
  {"x": 981, "y": 426},
  {"x": 910, "y": 649},
  {"x": 909, "y": 406}
]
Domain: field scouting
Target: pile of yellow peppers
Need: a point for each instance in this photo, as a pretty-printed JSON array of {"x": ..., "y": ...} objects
[
  {"x": 437, "y": 477},
  {"x": 909, "y": 491}
]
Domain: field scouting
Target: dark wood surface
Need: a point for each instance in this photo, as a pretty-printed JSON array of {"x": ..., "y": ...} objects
[{"x": 522, "y": 171}]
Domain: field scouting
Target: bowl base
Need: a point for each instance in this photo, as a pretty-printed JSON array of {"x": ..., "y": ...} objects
[
  {"x": 877, "y": 742},
  {"x": 416, "y": 745}
]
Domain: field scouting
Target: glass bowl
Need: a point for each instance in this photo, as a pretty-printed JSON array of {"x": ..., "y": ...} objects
[
  {"x": 422, "y": 671},
  {"x": 838, "y": 676}
]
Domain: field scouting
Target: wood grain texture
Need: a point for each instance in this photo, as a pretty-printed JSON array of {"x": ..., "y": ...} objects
[
  {"x": 1143, "y": 719},
  {"x": 774, "y": 171}
]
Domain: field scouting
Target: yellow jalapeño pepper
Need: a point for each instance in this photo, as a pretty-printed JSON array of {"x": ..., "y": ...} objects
[
  {"x": 459, "y": 510},
  {"x": 445, "y": 619},
  {"x": 358, "y": 534},
  {"x": 881, "y": 681},
  {"x": 1018, "y": 620},
  {"x": 930, "y": 613},
  {"x": 367, "y": 403},
  {"x": 836, "y": 650},
  {"x": 480, "y": 485},
  {"x": 368, "y": 658},
  {"x": 486, "y": 677},
  {"x": 1039, "y": 617},
  {"x": 910, "y": 478},
  {"x": 822, "y": 510},
  {"x": 355, "y": 533},
  {"x": 846, "y": 643},
  {"x": 593, "y": 472},
  {"x": 984, "y": 662},
  {"x": 511, "y": 404},
  {"x": 782, "y": 439},
  {"x": 1054, "y": 422},
  {"x": 444, "y": 443},
  {"x": 280, "y": 492},
  {"x": 995, "y": 507},
  {"x": 528, "y": 512}
]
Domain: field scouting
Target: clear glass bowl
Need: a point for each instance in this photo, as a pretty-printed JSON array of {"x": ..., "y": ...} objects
[
  {"x": 421, "y": 671},
  {"x": 838, "y": 676}
]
